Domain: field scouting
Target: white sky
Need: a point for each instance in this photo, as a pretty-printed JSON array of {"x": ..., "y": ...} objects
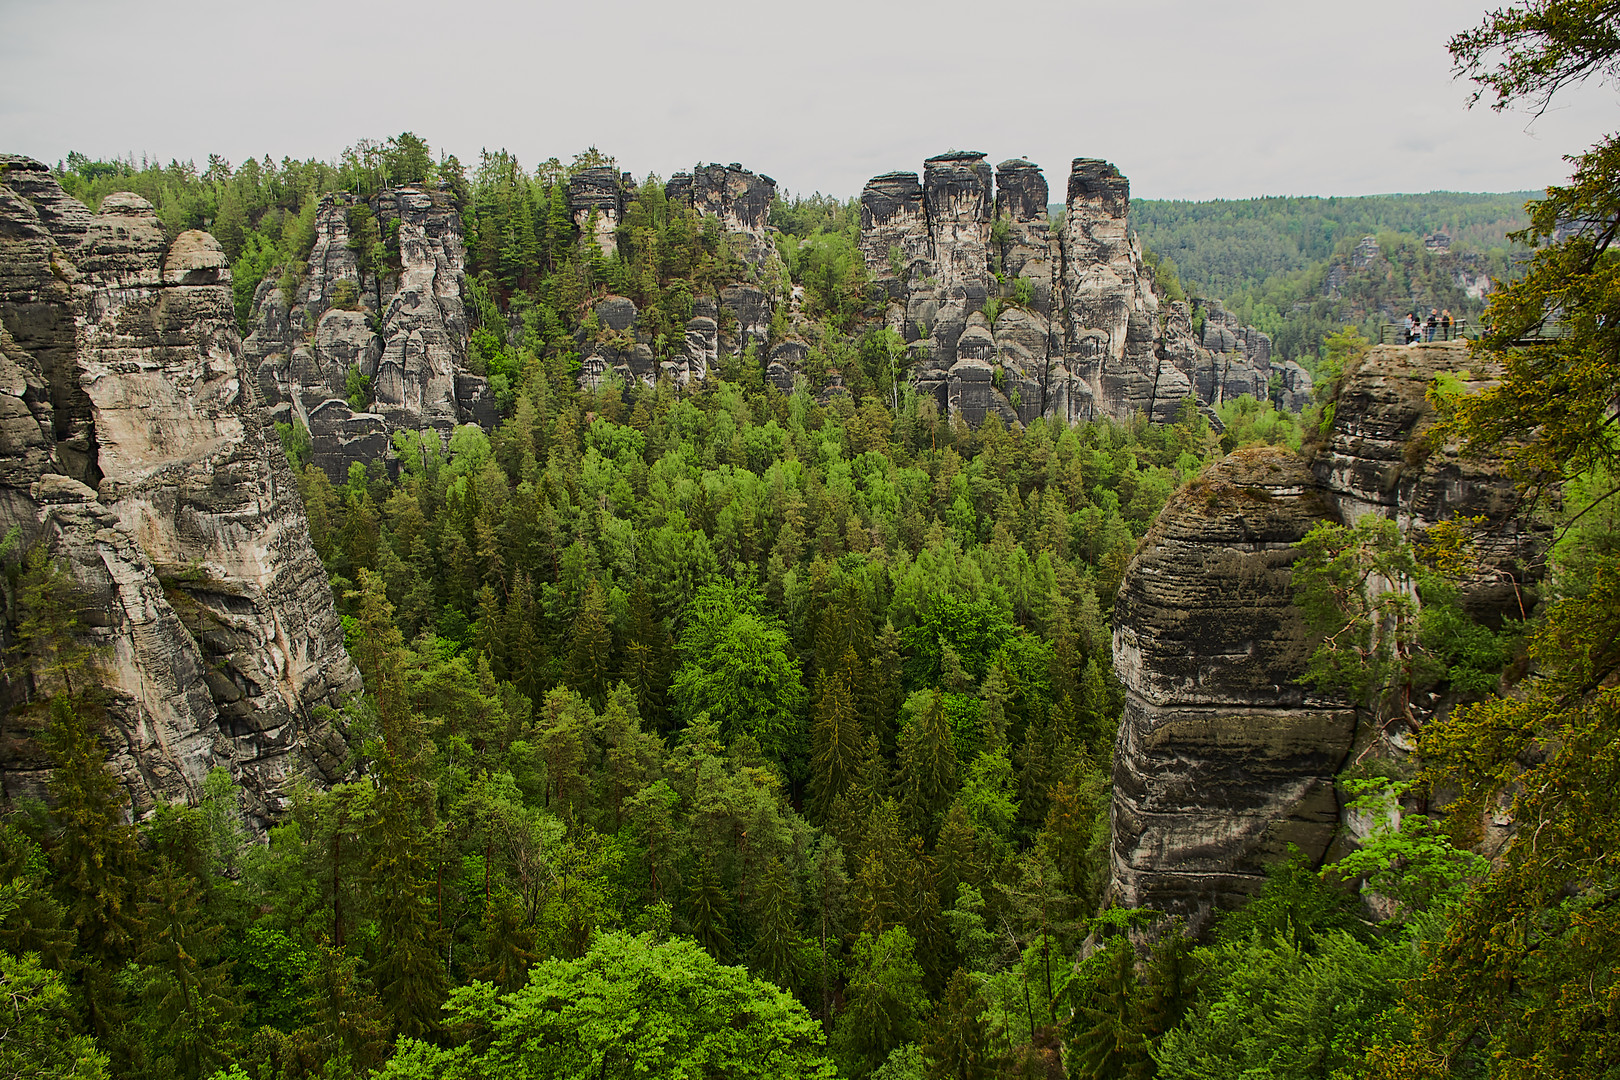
[{"x": 1190, "y": 98}]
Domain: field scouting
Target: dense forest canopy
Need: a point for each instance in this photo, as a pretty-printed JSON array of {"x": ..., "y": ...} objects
[
  {"x": 733, "y": 732},
  {"x": 1288, "y": 265}
]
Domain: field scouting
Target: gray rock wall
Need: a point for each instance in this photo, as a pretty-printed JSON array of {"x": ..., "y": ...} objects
[
  {"x": 159, "y": 482},
  {"x": 1223, "y": 759},
  {"x": 1080, "y": 332},
  {"x": 407, "y": 332}
]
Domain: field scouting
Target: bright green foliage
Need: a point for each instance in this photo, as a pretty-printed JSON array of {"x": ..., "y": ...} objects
[
  {"x": 1269, "y": 1008},
  {"x": 1257, "y": 423},
  {"x": 738, "y": 665},
  {"x": 37, "y": 1036},
  {"x": 632, "y": 1006},
  {"x": 1356, "y": 588},
  {"x": 1414, "y": 863},
  {"x": 31, "y": 920},
  {"x": 885, "y": 1001}
]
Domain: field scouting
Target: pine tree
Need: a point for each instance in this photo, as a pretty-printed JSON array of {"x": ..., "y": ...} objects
[
  {"x": 776, "y": 936},
  {"x": 95, "y": 855},
  {"x": 649, "y": 658},
  {"x": 188, "y": 987},
  {"x": 590, "y": 647},
  {"x": 408, "y": 971},
  {"x": 707, "y": 906},
  {"x": 956, "y": 1041},
  {"x": 346, "y": 1025},
  {"x": 927, "y": 766},
  {"x": 1106, "y": 1041},
  {"x": 837, "y": 738}
]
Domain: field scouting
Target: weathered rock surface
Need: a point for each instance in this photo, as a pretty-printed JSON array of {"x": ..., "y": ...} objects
[
  {"x": 620, "y": 349},
  {"x": 1379, "y": 458},
  {"x": 1087, "y": 339},
  {"x": 133, "y": 443},
  {"x": 1222, "y": 758},
  {"x": 596, "y": 201},
  {"x": 403, "y": 327},
  {"x": 738, "y": 198}
]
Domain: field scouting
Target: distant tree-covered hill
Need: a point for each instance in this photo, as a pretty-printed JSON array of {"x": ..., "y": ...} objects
[{"x": 1291, "y": 266}]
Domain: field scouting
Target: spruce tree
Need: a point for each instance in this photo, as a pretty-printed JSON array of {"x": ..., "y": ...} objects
[
  {"x": 838, "y": 740},
  {"x": 590, "y": 647},
  {"x": 188, "y": 989},
  {"x": 776, "y": 934},
  {"x": 928, "y": 766},
  {"x": 956, "y": 1041},
  {"x": 708, "y": 905},
  {"x": 649, "y": 658},
  {"x": 408, "y": 971}
]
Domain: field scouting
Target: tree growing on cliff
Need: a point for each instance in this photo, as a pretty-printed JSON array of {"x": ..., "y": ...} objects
[{"x": 1527, "y": 979}]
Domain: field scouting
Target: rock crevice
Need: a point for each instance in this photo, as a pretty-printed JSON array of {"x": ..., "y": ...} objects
[{"x": 165, "y": 492}]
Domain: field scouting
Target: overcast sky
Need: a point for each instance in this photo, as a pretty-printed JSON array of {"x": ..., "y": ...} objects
[{"x": 1189, "y": 99}]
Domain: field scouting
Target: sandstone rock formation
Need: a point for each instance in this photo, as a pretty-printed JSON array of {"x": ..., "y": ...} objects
[
  {"x": 1078, "y": 331},
  {"x": 399, "y": 324},
  {"x": 738, "y": 198},
  {"x": 134, "y": 445},
  {"x": 1223, "y": 759},
  {"x": 1379, "y": 458},
  {"x": 596, "y": 202}
]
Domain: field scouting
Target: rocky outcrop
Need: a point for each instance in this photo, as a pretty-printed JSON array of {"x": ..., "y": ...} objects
[
  {"x": 738, "y": 198},
  {"x": 1381, "y": 457},
  {"x": 1077, "y": 330},
  {"x": 596, "y": 201},
  {"x": 398, "y": 325},
  {"x": 1223, "y": 759},
  {"x": 134, "y": 445},
  {"x": 1236, "y": 360},
  {"x": 615, "y": 345}
]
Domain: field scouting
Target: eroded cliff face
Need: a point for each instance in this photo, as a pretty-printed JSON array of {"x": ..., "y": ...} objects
[
  {"x": 397, "y": 321},
  {"x": 721, "y": 326},
  {"x": 134, "y": 445},
  {"x": 1079, "y": 332},
  {"x": 1380, "y": 458},
  {"x": 1223, "y": 758}
]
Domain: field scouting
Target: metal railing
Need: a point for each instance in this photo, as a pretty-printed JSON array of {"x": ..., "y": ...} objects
[
  {"x": 1463, "y": 330},
  {"x": 1395, "y": 333}
]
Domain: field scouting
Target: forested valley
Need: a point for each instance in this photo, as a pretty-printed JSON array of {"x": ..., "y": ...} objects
[
  {"x": 1300, "y": 269},
  {"x": 723, "y": 731}
]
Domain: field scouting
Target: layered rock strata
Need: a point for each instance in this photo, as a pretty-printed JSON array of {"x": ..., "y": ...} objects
[
  {"x": 395, "y": 327},
  {"x": 134, "y": 446},
  {"x": 736, "y": 197},
  {"x": 596, "y": 199},
  {"x": 1077, "y": 330},
  {"x": 1381, "y": 457},
  {"x": 1223, "y": 759}
]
